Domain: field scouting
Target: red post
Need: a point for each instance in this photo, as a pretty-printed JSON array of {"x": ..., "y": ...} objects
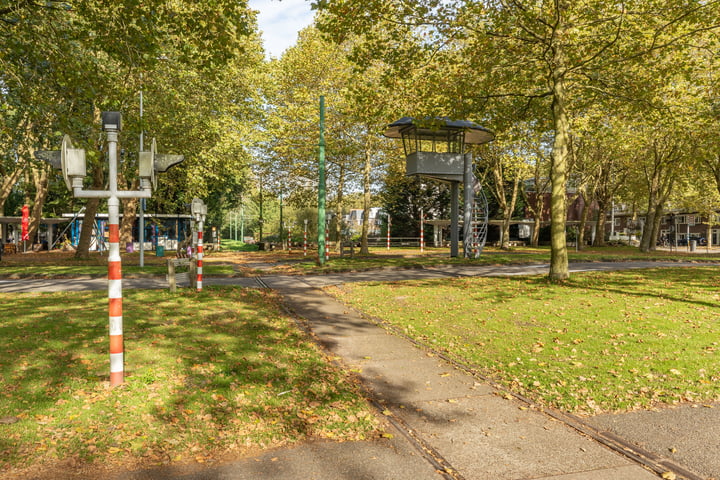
[
  {"x": 289, "y": 241},
  {"x": 388, "y": 233},
  {"x": 117, "y": 360},
  {"x": 200, "y": 257},
  {"x": 305, "y": 240},
  {"x": 327, "y": 236},
  {"x": 422, "y": 231}
]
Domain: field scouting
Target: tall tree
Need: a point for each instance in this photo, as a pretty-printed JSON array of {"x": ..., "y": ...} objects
[
  {"x": 62, "y": 63},
  {"x": 551, "y": 57}
]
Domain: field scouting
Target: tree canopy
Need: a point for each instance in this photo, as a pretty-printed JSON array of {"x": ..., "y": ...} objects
[{"x": 620, "y": 100}]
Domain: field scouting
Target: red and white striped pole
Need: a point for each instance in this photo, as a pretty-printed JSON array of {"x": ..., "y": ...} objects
[
  {"x": 305, "y": 239},
  {"x": 117, "y": 355},
  {"x": 115, "y": 310},
  {"x": 200, "y": 256},
  {"x": 327, "y": 236},
  {"x": 289, "y": 240},
  {"x": 388, "y": 233},
  {"x": 422, "y": 231}
]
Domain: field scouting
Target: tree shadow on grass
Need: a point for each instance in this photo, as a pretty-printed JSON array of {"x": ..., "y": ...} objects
[{"x": 218, "y": 369}]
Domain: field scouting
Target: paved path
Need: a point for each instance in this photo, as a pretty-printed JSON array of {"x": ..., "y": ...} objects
[{"x": 448, "y": 424}]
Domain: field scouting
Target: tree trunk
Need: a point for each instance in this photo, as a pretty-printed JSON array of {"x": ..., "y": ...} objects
[
  {"x": 91, "y": 208},
  {"x": 7, "y": 182},
  {"x": 660, "y": 179},
  {"x": 367, "y": 198},
  {"x": 647, "y": 234},
  {"x": 600, "y": 224},
  {"x": 537, "y": 225},
  {"x": 340, "y": 200},
  {"x": 558, "y": 174},
  {"x": 536, "y": 208},
  {"x": 40, "y": 182},
  {"x": 583, "y": 221},
  {"x": 129, "y": 214},
  {"x": 656, "y": 227},
  {"x": 507, "y": 214}
]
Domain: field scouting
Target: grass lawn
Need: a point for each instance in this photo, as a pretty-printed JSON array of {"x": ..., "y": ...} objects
[
  {"x": 221, "y": 371},
  {"x": 408, "y": 257},
  {"x": 599, "y": 342}
]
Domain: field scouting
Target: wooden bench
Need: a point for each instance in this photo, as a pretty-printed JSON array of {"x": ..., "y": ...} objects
[
  {"x": 347, "y": 248},
  {"x": 188, "y": 277}
]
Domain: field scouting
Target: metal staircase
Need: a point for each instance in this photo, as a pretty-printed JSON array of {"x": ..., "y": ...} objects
[{"x": 475, "y": 241}]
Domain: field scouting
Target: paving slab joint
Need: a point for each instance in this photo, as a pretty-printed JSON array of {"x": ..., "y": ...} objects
[{"x": 442, "y": 466}]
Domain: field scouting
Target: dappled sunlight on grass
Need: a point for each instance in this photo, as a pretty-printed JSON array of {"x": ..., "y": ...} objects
[{"x": 206, "y": 373}]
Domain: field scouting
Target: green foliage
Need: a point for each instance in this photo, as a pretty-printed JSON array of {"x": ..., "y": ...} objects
[
  {"x": 542, "y": 64},
  {"x": 404, "y": 197},
  {"x": 198, "y": 65}
]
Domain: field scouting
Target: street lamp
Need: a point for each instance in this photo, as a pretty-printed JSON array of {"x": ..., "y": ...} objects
[{"x": 72, "y": 163}]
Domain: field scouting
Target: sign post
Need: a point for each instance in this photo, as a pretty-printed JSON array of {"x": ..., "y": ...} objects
[
  {"x": 72, "y": 163},
  {"x": 199, "y": 211}
]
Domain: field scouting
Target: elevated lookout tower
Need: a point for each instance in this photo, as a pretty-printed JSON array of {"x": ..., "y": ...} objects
[{"x": 435, "y": 149}]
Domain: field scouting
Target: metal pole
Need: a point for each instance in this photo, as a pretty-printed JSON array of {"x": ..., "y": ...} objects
[
  {"x": 322, "y": 249},
  {"x": 141, "y": 237},
  {"x": 305, "y": 238},
  {"x": 327, "y": 235},
  {"x": 261, "y": 220},
  {"x": 141, "y": 225},
  {"x": 117, "y": 356},
  {"x": 388, "y": 232},
  {"x": 422, "y": 231},
  {"x": 201, "y": 227},
  {"x": 289, "y": 239},
  {"x": 468, "y": 201},
  {"x": 454, "y": 213}
]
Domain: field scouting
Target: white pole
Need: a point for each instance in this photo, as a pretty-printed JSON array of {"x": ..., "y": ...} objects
[
  {"x": 117, "y": 356},
  {"x": 141, "y": 224},
  {"x": 201, "y": 226}
]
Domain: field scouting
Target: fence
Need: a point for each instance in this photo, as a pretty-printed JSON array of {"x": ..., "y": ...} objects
[{"x": 394, "y": 242}]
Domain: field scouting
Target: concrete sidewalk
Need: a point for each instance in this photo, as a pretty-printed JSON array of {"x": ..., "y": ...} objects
[{"x": 465, "y": 425}]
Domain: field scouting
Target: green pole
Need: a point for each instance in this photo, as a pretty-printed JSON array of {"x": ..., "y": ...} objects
[{"x": 321, "y": 185}]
